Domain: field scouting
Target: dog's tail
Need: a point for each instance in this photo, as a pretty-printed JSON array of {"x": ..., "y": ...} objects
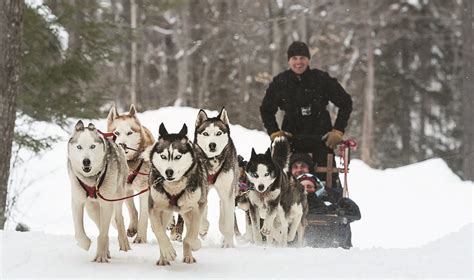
[{"x": 281, "y": 152}]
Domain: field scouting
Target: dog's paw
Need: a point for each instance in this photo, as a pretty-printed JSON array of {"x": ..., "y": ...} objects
[
  {"x": 162, "y": 262},
  {"x": 203, "y": 234},
  {"x": 84, "y": 242},
  {"x": 291, "y": 236},
  {"x": 189, "y": 259},
  {"x": 168, "y": 253},
  {"x": 101, "y": 257},
  {"x": 265, "y": 231},
  {"x": 131, "y": 232},
  {"x": 139, "y": 240},
  {"x": 228, "y": 243},
  {"x": 176, "y": 236},
  {"x": 124, "y": 245}
]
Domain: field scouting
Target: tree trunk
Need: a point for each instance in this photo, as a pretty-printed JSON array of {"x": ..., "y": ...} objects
[
  {"x": 11, "y": 17},
  {"x": 133, "y": 50},
  {"x": 368, "y": 115},
  {"x": 468, "y": 91},
  {"x": 182, "y": 55}
]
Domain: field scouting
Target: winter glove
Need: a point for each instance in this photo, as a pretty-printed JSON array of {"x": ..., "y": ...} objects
[
  {"x": 280, "y": 133},
  {"x": 333, "y": 138}
]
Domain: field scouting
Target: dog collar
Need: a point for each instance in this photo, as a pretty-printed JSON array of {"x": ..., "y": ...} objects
[
  {"x": 211, "y": 178},
  {"x": 173, "y": 199},
  {"x": 91, "y": 191}
]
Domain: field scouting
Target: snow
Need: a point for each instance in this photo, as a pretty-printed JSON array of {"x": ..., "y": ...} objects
[{"x": 416, "y": 222}]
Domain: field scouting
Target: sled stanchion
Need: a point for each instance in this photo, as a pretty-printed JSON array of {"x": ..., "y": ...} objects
[{"x": 329, "y": 170}]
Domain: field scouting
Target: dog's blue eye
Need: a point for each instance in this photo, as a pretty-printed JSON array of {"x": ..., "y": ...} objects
[
  {"x": 205, "y": 134},
  {"x": 177, "y": 157},
  {"x": 255, "y": 175},
  {"x": 129, "y": 133},
  {"x": 92, "y": 146},
  {"x": 163, "y": 156},
  {"x": 79, "y": 147},
  {"x": 219, "y": 133}
]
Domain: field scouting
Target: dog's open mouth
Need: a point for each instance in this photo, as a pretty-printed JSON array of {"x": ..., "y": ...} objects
[{"x": 86, "y": 169}]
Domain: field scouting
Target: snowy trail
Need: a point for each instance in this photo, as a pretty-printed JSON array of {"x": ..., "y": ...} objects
[{"x": 37, "y": 255}]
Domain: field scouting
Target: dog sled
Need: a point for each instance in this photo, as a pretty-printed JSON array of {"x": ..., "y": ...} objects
[{"x": 337, "y": 215}]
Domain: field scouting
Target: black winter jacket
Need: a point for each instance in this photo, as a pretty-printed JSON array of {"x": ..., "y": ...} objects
[{"x": 304, "y": 99}]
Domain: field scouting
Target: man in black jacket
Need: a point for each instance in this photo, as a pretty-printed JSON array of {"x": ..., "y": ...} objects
[{"x": 303, "y": 94}]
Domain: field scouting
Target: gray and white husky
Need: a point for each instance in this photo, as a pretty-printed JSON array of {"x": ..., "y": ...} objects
[
  {"x": 97, "y": 168},
  {"x": 274, "y": 197},
  {"x": 134, "y": 138},
  {"x": 178, "y": 184},
  {"x": 212, "y": 135}
]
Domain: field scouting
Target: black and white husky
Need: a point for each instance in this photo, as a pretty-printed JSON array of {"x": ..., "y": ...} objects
[
  {"x": 97, "y": 168},
  {"x": 276, "y": 198},
  {"x": 178, "y": 184},
  {"x": 212, "y": 135}
]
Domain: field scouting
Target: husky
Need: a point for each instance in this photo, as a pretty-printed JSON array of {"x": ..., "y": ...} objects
[
  {"x": 134, "y": 138},
  {"x": 242, "y": 200},
  {"x": 96, "y": 167},
  {"x": 276, "y": 198},
  {"x": 178, "y": 184},
  {"x": 212, "y": 135}
]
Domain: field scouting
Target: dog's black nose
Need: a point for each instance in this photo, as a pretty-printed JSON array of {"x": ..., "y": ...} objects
[
  {"x": 169, "y": 173},
  {"x": 212, "y": 146},
  {"x": 261, "y": 187},
  {"x": 86, "y": 162}
]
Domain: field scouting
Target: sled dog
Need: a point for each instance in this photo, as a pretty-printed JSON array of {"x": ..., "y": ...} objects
[
  {"x": 178, "y": 184},
  {"x": 280, "y": 201},
  {"x": 212, "y": 135},
  {"x": 134, "y": 138},
  {"x": 97, "y": 167},
  {"x": 242, "y": 200}
]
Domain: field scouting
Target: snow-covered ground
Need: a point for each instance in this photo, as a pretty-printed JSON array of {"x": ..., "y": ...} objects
[{"x": 416, "y": 222}]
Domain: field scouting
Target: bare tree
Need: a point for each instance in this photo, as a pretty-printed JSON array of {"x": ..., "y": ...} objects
[
  {"x": 11, "y": 17},
  {"x": 368, "y": 115},
  {"x": 468, "y": 91},
  {"x": 133, "y": 54}
]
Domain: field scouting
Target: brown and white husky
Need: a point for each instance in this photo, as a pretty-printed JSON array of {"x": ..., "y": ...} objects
[{"x": 134, "y": 138}]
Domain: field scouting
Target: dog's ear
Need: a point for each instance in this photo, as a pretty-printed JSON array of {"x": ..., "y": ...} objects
[
  {"x": 254, "y": 154},
  {"x": 79, "y": 126},
  {"x": 91, "y": 126},
  {"x": 201, "y": 117},
  {"x": 162, "y": 130},
  {"x": 113, "y": 114},
  {"x": 132, "y": 112},
  {"x": 183, "y": 131},
  {"x": 223, "y": 116},
  {"x": 268, "y": 153}
]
